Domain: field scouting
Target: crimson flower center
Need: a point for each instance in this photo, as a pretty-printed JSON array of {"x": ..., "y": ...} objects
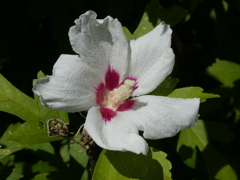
[{"x": 112, "y": 99}]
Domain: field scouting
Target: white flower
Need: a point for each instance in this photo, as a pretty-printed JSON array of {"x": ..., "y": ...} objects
[{"x": 109, "y": 78}]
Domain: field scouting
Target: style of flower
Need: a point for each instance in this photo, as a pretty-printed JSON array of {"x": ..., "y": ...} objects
[{"x": 109, "y": 78}]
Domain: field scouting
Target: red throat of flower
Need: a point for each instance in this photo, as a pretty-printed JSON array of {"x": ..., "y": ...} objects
[{"x": 112, "y": 96}]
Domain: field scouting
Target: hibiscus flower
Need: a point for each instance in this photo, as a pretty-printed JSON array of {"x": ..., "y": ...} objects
[{"x": 110, "y": 78}]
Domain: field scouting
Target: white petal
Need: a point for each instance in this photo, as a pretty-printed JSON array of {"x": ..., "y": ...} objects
[
  {"x": 118, "y": 134},
  {"x": 152, "y": 59},
  {"x": 70, "y": 88},
  {"x": 162, "y": 117},
  {"x": 100, "y": 42}
]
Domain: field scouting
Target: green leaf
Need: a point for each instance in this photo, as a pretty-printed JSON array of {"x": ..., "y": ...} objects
[
  {"x": 4, "y": 152},
  {"x": 225, "y": 71},
  {"x": 46, "y": 147},
  {"x": 17, "y": 103},
  {"x": 64, "y": 152},
  {"x": 126, "y": 165},
  {"x": 85, "y": 175},
  {"x": 46, "y": 152},
  {"x": 42, "y": 167},
  {"x": 20, "y": 166},
  {"x": 29, "y": 133},
  {"x": 154, "y": 14},
  {"x": 41, "y": 176},
  {"x": 192, "y": 92},
  {"x": 166, "y": 87},
  {"x": 127, "y": 33},
  {"x": 76, "y": 158},
  {"x": 11, "y": 147},
  {"x": 78, "y": 154},
  {"x": 78, "y": 161},
  {"x": 228, "y": 73},
  {"x": 14, "y": 175},
  {"x": 197, "y": 136}
]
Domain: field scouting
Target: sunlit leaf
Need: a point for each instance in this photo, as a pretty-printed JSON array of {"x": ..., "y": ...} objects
[
  {"x": 154, "y": 14},
  {"x": 126, "y": 165},
  {"x": 166, "y": 87},
  {"x": 192, "y": 92},
  {"x": 226, "y": 72},
  {"x": 197, "y": 136},
  {"x": 127, "y": 33},
  {"x": 17, "y": 103}
]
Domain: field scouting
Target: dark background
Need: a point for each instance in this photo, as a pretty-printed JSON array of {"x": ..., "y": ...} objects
[{"x": 33, "y": 34}]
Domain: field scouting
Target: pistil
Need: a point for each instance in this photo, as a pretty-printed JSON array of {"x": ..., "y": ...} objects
[{"x": 113, "y": 99}]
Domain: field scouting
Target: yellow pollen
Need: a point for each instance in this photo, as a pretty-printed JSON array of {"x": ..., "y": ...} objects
[{"x": 119, "y": 95}]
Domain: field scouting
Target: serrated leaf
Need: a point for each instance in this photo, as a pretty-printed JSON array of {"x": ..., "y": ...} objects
[
  {"x": 46, "y": 152},
  {"x": 17, "y": 103},
  {"x": 72, "y": 166},
  {"x": 46, "y": 147},
  {"x": 197, "y": 136},
  {"x": 226, "y": 72},
  {"x": 166, "y": 87},
  {"x": 192, "y": 92},
  {"x": 28, "y": 133},
  {"x": 154, "y": 13},
  {"x": 126, "y": 165}
]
